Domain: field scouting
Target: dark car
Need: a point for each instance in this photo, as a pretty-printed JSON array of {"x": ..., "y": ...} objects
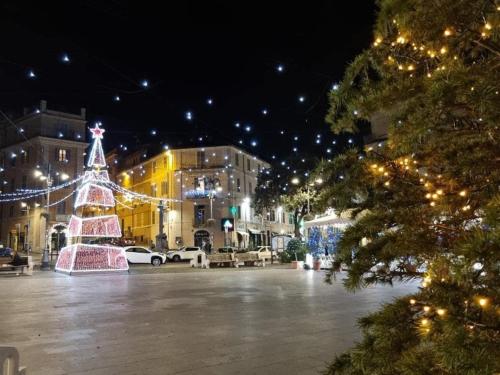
[{"x": 6, "y": 252}]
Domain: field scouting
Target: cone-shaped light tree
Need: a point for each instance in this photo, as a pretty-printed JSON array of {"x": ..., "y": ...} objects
[
  {"x": 427, "y": 200},
  {"x": 93, "y": 199}
]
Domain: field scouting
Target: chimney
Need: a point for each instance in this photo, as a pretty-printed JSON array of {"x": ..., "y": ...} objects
[
  {"x": 83, "y": 113},
  {"x": 43, "y": 105}
]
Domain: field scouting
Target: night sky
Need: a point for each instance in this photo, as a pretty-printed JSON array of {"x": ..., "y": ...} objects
[{"x": 189, "y": 52}]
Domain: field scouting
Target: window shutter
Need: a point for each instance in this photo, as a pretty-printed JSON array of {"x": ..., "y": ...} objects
[{"x": 68, "y": 154}]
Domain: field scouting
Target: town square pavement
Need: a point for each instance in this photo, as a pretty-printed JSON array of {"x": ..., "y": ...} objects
[{"x": 265, "y": 321}]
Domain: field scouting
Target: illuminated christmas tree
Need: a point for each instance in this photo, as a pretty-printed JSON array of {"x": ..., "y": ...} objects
[{"x": 93, "y": 200}]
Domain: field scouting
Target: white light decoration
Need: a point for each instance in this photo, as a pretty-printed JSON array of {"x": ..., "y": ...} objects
[
  {"x": 97, "y": 157},
  {"x": 145, "y": 83},
  {"x": 280, "y": 68},
  {"x": 117, "y": 98},
  {"x": 65, "y": 58},
  {"x": 91, "y": 258},
  {"x": 302, "y": 99},
  {"x": 95, "y": 195},
  {"x": 31, "y": 74},
  {"x": 93, "y": 192},
  {"x": 98, "y": 226}
]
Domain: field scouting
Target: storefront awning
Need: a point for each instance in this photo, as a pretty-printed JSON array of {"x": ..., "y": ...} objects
[
  {"x": 328, "y": 220},
  {"x": 255, "y": 231}
]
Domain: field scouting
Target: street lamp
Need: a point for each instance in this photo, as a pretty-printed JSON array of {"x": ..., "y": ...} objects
[{"x": 318, "y": 181}]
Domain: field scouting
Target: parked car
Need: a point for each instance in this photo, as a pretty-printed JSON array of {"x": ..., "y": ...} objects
[
  {"x": 6, "y": 252},
  {"x": 139, "y": 254},
  {"x": 264, "y": 252},
  {"x": 184, "y": 253}
]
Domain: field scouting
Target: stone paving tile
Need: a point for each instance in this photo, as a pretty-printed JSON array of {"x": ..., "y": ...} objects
[{"x": 272, "y": 321}]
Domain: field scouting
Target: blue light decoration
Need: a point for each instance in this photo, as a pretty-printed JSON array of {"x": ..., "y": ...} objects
[
  {"x": 315, "y": 242},
  {"x": 323, "y": 242},
  {"x": 197, "y": 194},
  {"x": 333, "y": 236}
]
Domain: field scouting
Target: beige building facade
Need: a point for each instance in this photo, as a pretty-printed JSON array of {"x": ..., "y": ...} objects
[
  {"x": 212, "y": 187},
  {"x": 31, "y": 146}
]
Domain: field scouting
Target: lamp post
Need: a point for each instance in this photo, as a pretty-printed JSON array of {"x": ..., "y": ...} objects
[{"x": 48, "y": 180}]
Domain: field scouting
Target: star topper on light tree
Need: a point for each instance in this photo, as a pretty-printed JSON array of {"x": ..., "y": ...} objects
[{"x": 93, "y": 195}]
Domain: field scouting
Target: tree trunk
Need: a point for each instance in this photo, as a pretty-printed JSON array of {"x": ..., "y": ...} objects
[{"x": 296, "y": 223}]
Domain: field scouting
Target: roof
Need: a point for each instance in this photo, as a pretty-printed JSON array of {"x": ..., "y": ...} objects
[{"x": 328, "y": 220}]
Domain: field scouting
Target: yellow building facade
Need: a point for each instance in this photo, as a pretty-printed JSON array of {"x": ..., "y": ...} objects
[{"x": 203, "y": 189}]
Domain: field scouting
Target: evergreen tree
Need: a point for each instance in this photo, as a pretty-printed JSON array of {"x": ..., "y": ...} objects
[{"x": 426, "y": 202}]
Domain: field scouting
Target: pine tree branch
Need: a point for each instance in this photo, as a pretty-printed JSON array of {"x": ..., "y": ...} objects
[{"x": 479, "y": 43}]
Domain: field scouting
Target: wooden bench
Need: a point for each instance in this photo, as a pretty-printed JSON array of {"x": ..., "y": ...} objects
[
  {"x": 221, "y": 260},
  {"x": 250, "y": 259},
  {"x": 26, "y": 268}
]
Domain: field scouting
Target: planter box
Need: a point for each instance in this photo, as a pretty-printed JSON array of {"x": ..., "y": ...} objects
[{"x": 298, "y": 265}]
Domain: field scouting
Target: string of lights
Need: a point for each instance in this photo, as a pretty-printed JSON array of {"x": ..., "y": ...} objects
[
  {"x": 120, "y": 189},
  {"x": 61, "y": 200},
  {"x": 21, "y": 192}
]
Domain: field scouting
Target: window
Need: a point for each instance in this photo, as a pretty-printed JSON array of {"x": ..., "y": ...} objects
[
  {"x": 61, "y": 208},
  {"x": 258, "y": 168},
  {"x": 238, "y": 185},
  {"x": 283, "y": 217},
  {"x": 62, "y": 154},
  {"x": 26, "y": 157},
  {"x": 23, "y": 184},
  {"x": 200, "y": 158},
  {"x": 154, "y": 167},
  {"x": 199, "y": 215},
  {"x": 290, "y": 218},
  {"x": 164, "y": 162},
  {"x": 11, "y": 211},
  {"x": 272, "y": 215},
  {"x": 164, "y": 188},
  {"x": 145, "y": 219},
  {"x": 236, "y": 159},
  {"x": 153, "y": 190},
  {"x": 153, "y": 217},
  {"x": 13, "y": 161},
  {"x": 12, "y": 185},
  {"x": 250, "y": 191},
  {"x": 239, "y": 213},
  {"x": 248, "y": 164}
]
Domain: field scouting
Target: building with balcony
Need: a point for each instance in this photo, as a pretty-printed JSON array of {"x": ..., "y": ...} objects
[
  {"x": 31, "y": 146},
  {"x": 214, "y": 187}
]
